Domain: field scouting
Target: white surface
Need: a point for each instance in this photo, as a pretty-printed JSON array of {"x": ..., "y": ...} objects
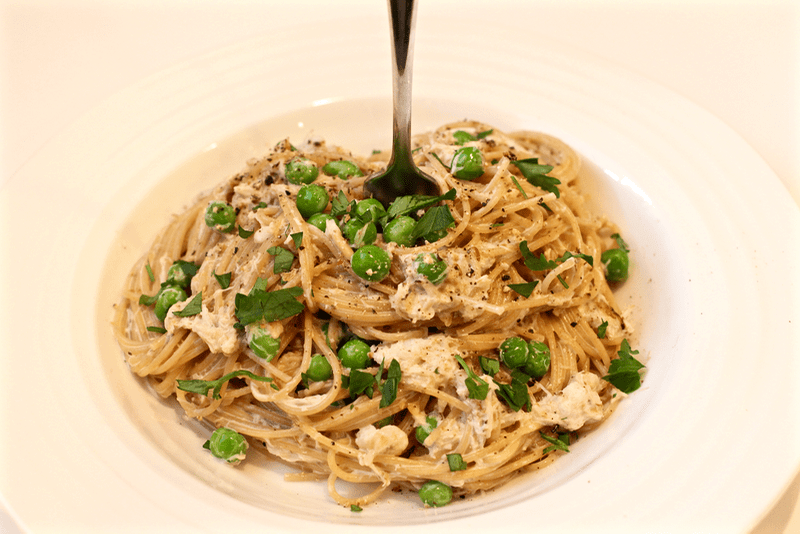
[{"x": 737, "y": 60}]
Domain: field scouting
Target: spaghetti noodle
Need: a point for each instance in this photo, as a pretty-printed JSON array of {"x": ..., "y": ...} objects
[{"x": 273, "y": 299}]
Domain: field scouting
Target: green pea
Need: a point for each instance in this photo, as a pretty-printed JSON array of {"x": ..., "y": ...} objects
[
  {"x": 360, "y": 233},
  {"x": 320, "y": 220},
  {"x": 369, "y": 210},
  {"x": 220, "y": 216},
  {"x": 431, "y": 267},
  {"x": 167, "y": 296},
  {"x": 319, "y": 368},
  {"x": 514, "y": 352},
  {"x": 180, "y": 273},
  {"x": 371, "y": 263},
  {"x": 539, "y": 361},
  {"x": 435, "y": 493},
  {"x": 615, "y": 263},
  {"x": 227, "y": 444},
  {"x": 399, "y": 231},
  {"x": 342, "y": 169},
  {"x": 301, "y": 170},
  {"x": 311, "y": 199},
  {"x": 354, "y": 354},
  {"x": 467, "y": 163},
  {"x": 423, "y": 431},
  {"x": 264, "y": 345}
]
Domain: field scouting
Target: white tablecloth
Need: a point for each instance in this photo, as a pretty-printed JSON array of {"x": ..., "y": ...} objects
[{"x": 738, "y": 59}]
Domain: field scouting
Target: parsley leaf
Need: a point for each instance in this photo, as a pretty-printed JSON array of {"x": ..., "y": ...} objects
[
  {"x": 297, "y": 238},
  {"x": 223, "y": 279},
  {"x": 157, "y": 329},
  {"x": 536, "y": 174},
  {"x": 490, "y": 366},
  {"x": 341, "y": 205},
  {"x": 436, "y": 219},
  {"x": 621, "y": 242},
  {"x": 244, "y": 234},
  {"x": 283, "y": 259},
  {"x": 194, "y": 307},
  {"x": 601, "y": 330},
  {"x": 150, "y": 272},
  {"x": 525, "y": 289},
  {"x": 462, "y": 137},
  {"x": 560, "y": 443},
  {"x": 361, "y": 382},
  {"x": 456, "y": 462},
  {"x": 389, "y": 387},
  {"x": 410, "y": 203},
  {"x": 623, "y": 373},
  {"x": 516, "y": 184},
  {"x": 202, "y": 387},
  {"x": 516, "y": 393},
  {"x": 268, "y": 305},
  {"x": 532, "y": 262},
  {"x": 543, "y": 264},
  {"x": 477, "y": 387}
]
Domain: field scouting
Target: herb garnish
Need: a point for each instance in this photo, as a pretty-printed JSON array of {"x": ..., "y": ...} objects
[
  {"x": 525, "y": 289},
  {"x": 623, "y": 373},
  {"x": 477, "y": 387},
  {"x": 601, "y": 330},
  {"x": 536, "y": 174},
  {"x": 224, "y": 279},
  {"x": 194, "y": 307},
  {"x": 389, "y": 386},
  {"x": 283, "y": 259},
  {"x": 267, "y": 305},
  {"x": 410, "y": 203},
  {"x": 560, "y": 443},
  {"x": 436, "y": 219},
  {"x": 202, "y": 387},
  {"x": 516, "y": 393}
]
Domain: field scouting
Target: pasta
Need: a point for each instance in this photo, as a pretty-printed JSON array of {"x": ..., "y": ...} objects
[{"x": 516, "y": 256}]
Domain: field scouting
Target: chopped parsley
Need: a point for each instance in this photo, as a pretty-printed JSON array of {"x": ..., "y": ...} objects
[
  {"x": 516, "y": 184},
  {"x": 525, "y": 289},
  {"x": 436, "y": 219},
  {"x": 477, "y": 387},
  {"x": 202, "y": 387},
  {"x": 150, "y": 272},
  {"x": 283, "y": 259},
  {"x": 515, "y": 394},
  {"x": 462, "y": 137},
  {"x": 157, "y": 329},
  {"x": 601, "y": 330},
  {"x": 267, "y": 305},
  {"x": 389, "y": 386},
  {"x": 541, "y": 263},
  {"x": 194, "y": 307},
  {"x": 623, "y": 373},
  {"x": 224, "y": 280},
  {"x": 536, "y": 174},
  {"x": 621, "y": 242},
  {"x": 411, "y": 203},
  {"x": 561, "y": 443},
  {"x": 297, "y": 238},
  {"x": 244, "y": 234}
]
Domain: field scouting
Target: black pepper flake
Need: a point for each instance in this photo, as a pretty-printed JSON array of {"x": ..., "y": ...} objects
[
  {"x": 506, "y": 278},
  {"x": 573, "y": 324},
  {"x": 235, "y": 250}
]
